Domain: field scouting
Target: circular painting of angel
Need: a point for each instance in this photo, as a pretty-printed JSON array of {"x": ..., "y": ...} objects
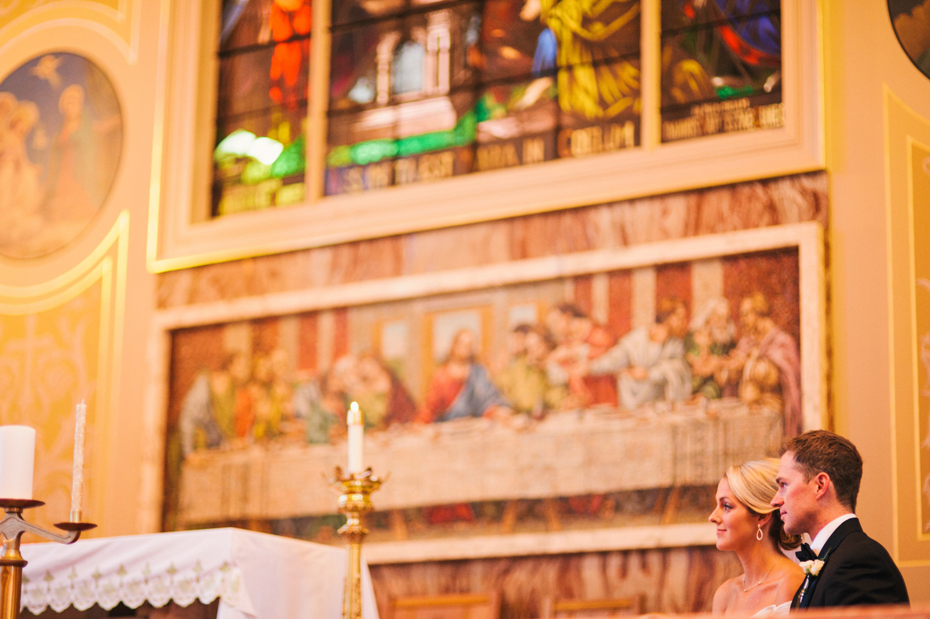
[{"x": 61, "y": 135}]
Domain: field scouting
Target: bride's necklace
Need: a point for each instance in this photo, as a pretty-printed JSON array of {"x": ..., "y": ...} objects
[{"x": 746, "y": 589}]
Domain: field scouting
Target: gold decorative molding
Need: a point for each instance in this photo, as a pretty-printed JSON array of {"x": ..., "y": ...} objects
[
  {"x": 60, "y": 342},
  {"x": 907, "y": 177},
  {"x": 116, "y": 19}
]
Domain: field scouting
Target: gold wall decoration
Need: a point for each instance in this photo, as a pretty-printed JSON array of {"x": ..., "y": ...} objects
[
  {"x": 59, "y": 344},
  {"x": 907, "y": 157},
  {"x": 120, "y": 18}
]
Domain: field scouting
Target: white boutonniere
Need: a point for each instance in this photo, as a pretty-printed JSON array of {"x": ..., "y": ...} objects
[{"x": 812, "y": 568}]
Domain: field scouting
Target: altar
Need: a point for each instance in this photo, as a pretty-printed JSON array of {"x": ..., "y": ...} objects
[{"x": 253, "y": 575}]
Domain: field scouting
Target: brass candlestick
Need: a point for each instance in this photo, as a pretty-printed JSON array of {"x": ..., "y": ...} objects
[
  {"x": 354, "y": 501},
  {"x": 12, "y": 563}
]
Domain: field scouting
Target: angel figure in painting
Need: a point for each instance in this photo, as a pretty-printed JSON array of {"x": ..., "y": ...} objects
[{"x": 580, "y": 42}]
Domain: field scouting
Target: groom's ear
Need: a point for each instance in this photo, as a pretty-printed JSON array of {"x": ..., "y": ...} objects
[{"x": 821, "y": 483}]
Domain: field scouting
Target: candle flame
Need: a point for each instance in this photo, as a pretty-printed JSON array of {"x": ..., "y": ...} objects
[{"x": 354, "y": 416}]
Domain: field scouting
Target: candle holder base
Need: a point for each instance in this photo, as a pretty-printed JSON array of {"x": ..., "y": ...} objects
[
  {"x": 354, "y": 492},
  {"x": 75, "y": 526},
  {"x": 20, "y": 503},
  {"x": 12, "y": 563}
]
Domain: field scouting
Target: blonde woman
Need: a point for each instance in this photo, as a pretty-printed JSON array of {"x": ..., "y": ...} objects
[{"x": 748, "y": 525}]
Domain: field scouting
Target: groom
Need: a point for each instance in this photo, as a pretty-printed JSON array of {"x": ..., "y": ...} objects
[{"x": 818, "y": 482}]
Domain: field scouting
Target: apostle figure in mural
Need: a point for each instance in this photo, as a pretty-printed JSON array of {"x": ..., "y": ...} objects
[
  {"x": 707, "y": 345},
  {"x": 381, "y": 394},
  {"x": 582, "y": 339},
  {"x": 321, "y": 402},
  {"x": 208, "y": 414},
  {"x": 649, "y": 362},
  {"x": 461, "y": 387},
  {"x": 525, "y": 382},
  {"x": 766, "y": 363}
]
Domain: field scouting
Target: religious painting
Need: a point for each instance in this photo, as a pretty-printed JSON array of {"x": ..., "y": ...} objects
[
  {"x": 911, "y": 22},
  {"x": 261, "y": 120},
  {"x": 596, "y": 396},
  {"x": 721, "y": 67},
  {"x": 61, "y": 131},
  {"x": 417, "y": 95}
]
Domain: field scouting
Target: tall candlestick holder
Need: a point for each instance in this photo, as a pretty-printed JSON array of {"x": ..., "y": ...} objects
[
  {"x": 12, "y": 563},
  {"x": 354, "y": 492}
]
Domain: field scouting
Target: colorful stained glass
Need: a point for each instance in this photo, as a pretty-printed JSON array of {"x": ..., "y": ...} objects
[
  {"x": 721, "y": 67},
  {"x": 485, "y": 85},
  {"x": 260, "y": 154}
]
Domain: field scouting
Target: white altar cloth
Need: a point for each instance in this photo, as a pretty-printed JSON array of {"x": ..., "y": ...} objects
[{"x": 255, "y": 575}]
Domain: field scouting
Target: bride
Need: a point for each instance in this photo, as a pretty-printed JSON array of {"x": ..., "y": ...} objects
[{"x": 748, "y": 525}]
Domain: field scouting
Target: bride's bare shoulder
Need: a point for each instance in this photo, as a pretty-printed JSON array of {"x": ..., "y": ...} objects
[
  {"x": 725, "y": 594},
  {"x": 790, "y": 577}
]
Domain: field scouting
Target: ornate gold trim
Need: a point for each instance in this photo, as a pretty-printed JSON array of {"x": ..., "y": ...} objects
[
  {"x": 903, "y": 128},
  {"x": 107, "y": 264}
]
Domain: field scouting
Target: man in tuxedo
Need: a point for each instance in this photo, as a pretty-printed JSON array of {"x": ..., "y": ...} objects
[{"x": 818, "y": 482}]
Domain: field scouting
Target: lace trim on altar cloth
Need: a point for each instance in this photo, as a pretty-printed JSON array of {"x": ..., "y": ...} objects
[{"x": 132, "y": 589}]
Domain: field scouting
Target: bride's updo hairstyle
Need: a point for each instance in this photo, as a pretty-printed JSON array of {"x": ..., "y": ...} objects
[{"x": 753, "y": 484}]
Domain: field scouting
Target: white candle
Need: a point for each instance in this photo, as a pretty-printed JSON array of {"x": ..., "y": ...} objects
[
  {"x": 356, "y": 437},
  {"x": 77, "y": 471},
  {"x": 17, "y": 459}
]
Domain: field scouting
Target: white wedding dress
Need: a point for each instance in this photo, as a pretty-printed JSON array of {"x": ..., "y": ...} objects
[{"x": 774, "y": 609}]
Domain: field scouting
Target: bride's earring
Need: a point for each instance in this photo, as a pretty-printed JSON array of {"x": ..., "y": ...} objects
[{"x": 759, "y": 533}]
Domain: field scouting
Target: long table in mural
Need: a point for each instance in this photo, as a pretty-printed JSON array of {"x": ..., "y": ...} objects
[{"x": 470, "y": 460}]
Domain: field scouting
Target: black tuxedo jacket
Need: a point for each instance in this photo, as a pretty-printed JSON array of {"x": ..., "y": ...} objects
[{"x": 858, "y": 571}]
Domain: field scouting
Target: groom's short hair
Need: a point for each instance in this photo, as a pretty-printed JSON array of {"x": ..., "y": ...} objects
[{"x": 822, "y": 451}]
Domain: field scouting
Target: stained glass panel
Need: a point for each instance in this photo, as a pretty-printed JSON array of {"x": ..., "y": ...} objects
[
  {"x": 264, "y": 58},
  {"x": 489, "y": 85},
  {"x": 721, "y": 67}
]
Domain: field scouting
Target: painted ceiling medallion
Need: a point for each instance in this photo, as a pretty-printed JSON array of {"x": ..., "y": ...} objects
[{"x": 61, "y": 135}]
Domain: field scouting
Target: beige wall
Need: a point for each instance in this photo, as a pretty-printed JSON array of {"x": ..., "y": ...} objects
[{"x": 862, "y": 57}]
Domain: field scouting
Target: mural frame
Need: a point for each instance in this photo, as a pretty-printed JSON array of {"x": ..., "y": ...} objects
[
  {"x": 807, "y": 238},
  {"x": 181, "y": 235}
]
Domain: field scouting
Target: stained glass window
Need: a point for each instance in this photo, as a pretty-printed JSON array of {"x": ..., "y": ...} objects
[
  {"x": 721, "y": 67},
  {"x": 421, "y": 90},
  {"x": 261, "y": 122}
]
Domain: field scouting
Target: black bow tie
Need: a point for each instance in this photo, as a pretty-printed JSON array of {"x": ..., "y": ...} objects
[{"x": 806, "y": 553}]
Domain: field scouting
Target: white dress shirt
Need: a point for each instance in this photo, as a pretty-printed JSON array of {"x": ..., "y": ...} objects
[{"x": 827, "y": 531}]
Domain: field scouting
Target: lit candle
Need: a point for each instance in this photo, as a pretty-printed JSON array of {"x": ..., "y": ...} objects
[
  {"x": 77, "y": 471},
  {"x": 17, "y": 459},
  {"x": 356, "y": 436}
]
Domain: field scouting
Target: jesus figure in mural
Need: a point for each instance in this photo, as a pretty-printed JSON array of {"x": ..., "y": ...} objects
[{"x": 461, "y": 387}]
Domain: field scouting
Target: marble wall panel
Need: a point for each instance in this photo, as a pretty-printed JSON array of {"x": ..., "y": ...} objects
[
  {"x": 738, "y": 207},
  {"x": 674, "y": 580}
]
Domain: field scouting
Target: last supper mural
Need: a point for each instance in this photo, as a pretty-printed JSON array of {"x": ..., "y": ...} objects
[{"x": 599, "y": 400}]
